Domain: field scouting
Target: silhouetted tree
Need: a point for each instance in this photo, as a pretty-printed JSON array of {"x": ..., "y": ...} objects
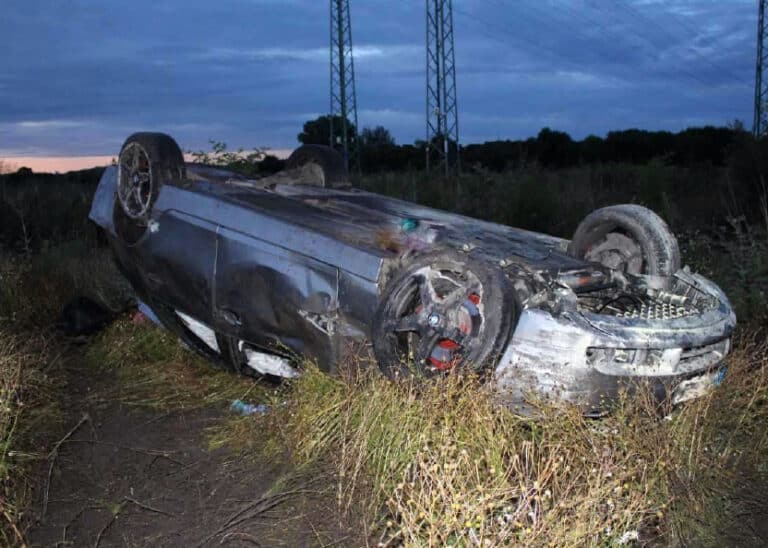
[
  {"x": 591, "y": 149},
  {"x": 318, "y": 131},
  {"x": 380, "y": 153},
  {"x": 377, "y": 136},
  {"x": 555, "y": 148}
]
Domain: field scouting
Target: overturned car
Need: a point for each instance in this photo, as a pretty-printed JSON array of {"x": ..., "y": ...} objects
[{"x": 253, "y": 272}]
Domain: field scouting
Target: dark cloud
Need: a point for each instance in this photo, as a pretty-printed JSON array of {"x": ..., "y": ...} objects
[{"x": 78, "y": 75}]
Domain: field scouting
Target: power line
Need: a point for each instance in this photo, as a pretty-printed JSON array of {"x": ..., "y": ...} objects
[
  {"x": 512, "y": 34},
  {"x": 508, "y": 34},
  {"x": 622, "y": 36},
  {"x": 670, "y": 35}
]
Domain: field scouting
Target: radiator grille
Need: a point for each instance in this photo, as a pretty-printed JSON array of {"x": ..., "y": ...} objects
[{"x": 651, "y": 310}]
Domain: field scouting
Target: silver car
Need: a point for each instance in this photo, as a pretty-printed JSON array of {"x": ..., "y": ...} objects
[{"x": 254, "y": 272}]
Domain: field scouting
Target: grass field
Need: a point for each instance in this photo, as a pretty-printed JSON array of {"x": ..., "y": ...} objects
[{"x": 420, "y": 465}]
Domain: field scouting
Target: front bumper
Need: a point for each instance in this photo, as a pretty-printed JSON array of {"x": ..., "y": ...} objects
[{"x": 587, "y": 358}]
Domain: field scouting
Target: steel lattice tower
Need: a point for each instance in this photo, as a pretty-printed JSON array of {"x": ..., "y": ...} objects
[
  {"x": 442, "y": 106},
  {"x": 760, "y": 125},
  {"x": 343, "y": 96}
]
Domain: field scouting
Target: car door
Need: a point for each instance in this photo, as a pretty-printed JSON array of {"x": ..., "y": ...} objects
[
  {"x": 179, "y": 257},
  {"x": 271, "y": 296}
]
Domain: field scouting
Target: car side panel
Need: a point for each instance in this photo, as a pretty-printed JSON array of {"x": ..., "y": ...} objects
[
  {"x": 270, "y": 296},
  {"x": 179, "y": 255}
]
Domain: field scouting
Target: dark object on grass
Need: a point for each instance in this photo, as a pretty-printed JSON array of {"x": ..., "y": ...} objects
[{"x": 84, "y": 316}]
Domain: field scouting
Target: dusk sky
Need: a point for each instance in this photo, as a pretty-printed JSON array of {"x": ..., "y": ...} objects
[{"x": 79, "y": 75}]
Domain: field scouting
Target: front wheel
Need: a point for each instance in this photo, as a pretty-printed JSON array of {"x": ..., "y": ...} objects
[
  {"x": 628, "y": 238},
  {"x": 441, "y": 313}
]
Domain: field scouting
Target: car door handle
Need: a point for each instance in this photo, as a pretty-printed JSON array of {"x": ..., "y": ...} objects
[{"x": 231, "y": 318}]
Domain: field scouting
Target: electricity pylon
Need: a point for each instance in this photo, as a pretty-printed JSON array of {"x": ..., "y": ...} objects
[
  {"x": 442, "y": 107},
  {"x": 343, "y": 96}
]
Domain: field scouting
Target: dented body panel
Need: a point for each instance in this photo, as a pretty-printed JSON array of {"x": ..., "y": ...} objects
[{"x": 295, "y": 268}]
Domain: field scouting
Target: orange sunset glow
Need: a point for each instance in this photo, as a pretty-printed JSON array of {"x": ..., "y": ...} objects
[
  {"x": 50, "y": 164},
  {"x": 63, "y": 164}
]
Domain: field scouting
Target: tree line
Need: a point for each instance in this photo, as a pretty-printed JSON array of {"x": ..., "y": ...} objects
[{"x": 552, "y": 149}]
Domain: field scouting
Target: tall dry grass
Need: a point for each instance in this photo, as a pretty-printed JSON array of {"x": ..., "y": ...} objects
[
  {"x": 442, "y": 464},
  {"x": 11, "y": 367},
  {"x": 27, "y": 410},
  {"x": 42, "y": 210},
  {"x": 555, "y": 201},
  {"x": 153, "y": 369},
  {"x": 33, "y": 289}
]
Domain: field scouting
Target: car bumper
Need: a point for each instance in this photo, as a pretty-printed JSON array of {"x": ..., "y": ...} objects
[{"x": 587, "y": 359}]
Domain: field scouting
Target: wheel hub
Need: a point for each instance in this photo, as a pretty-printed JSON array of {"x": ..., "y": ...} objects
[
  {"x": 134, "y": 184},
  {"x": 438, "y": 318},
  {"x": 618, "y": 252}
]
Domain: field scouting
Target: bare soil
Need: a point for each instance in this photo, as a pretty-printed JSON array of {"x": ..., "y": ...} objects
[{"x": 128, "y": 476}]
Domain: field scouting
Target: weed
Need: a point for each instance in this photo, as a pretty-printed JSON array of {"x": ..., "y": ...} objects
[
  {"x": 11, "y": 363},
  {"x": 555, "y": 201},
  {"x": 34, "y": 288},
  {"x": 444, "y": 464},
  {"x": 28, "y": 411},
  {"x": 737, "y": 259},
  {"x": 43, "y": 210},
  {"x": 155, "y": 370}
]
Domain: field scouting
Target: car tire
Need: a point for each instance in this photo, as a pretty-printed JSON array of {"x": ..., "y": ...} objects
[
  {"x": 629, "y": 238},
  {"x": 470, "y": 331},
  {"x": 330, "y": 162},
  {"x": 146, "y": 162}
]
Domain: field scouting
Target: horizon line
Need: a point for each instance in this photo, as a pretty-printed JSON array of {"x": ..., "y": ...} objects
[{"x": 65, "y": 164}]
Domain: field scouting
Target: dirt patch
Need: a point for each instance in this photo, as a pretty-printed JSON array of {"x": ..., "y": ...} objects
[{"x": 131, "y": 476}]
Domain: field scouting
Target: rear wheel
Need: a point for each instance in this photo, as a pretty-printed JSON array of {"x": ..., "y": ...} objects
[
  {"x": 443, "y": 313},
  {"x": 329, "y": 162},
  {"x": 146, "y": 162}
]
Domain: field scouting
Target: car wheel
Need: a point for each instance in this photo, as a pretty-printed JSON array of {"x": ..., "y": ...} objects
[
  {"x": 146, "y": 162},
  {"x": 629, "y": 238},
  {"x": 441, "y": 313},
  {"x": 329, "y": 162}
]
